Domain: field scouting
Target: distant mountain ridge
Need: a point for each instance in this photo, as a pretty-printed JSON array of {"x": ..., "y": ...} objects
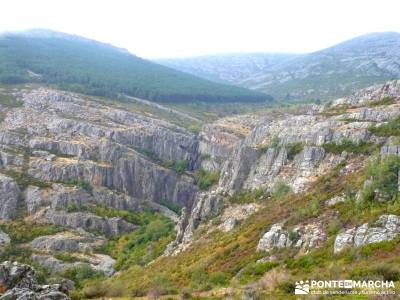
[
  {"x": 79, "y": 64},
  {"x": 325, "y": 74},
  {"x": 233, "y": 68}
]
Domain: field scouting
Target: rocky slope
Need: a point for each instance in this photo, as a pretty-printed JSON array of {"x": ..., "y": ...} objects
[
  {"x": 325, "y": 74},
  {"x": 293, "y": 150},
  {"x": 290, "y": 185},
  {"x": 80, "y": 166},
  {"x": 297, "y": 151}
]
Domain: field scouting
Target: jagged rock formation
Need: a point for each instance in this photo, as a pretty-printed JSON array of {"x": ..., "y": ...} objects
[
  {"x": 386, "y": 228},
  {"x": 9, "y": 192},
  {"x": 62, "y": 155},
  {"x": 102, "y": 146},
  {"x": 17, "y": 281}
]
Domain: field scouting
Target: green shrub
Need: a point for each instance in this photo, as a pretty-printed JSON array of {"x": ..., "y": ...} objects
[
  {"x": 66, "y": 257},
  {"x": 380, "y": 272},
  {"x": 206, "y": 179},
  {"x": 24, "y": 180},
  {"x": 248, "y": 196},
  {"x": 205, "y": 156},
  {"x": 142, "y": 245},
  {"x": 294, "y": 149},
  {"x": 200, "y": 278},
  {"x": 280, "y": 190},
  {"x": 10, "y": 101},
  {"x": 384, "y": 101},
  {"x": 78, "y": 183},
  {"x": 383, "y": 173},
  {"x": 254, "y": 271},
  {"x": 219, "y": 278},
  {"x": 274, "y": 144},
  {"x": 23, "y": 232},
  {"x": 179, "y": 166},
  {"x": 81, "y": 274},
  {"x": 361, "y": 147},
  {"x": 175, "y": 207},
  {"x": 334, "y": 227},
  {"x": 14, "y": 252},
  {"x": 286, "y": 287},
  {"x": 311, "y": 210},
  {"x": 390, "y": 128}
]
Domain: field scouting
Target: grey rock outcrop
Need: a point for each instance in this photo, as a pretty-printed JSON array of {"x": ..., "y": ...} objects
[
  {"x": 89, "y": 222},
  {"x": 9, "y": 197},
  {"x": 18, "y": 282},
  {"x": 34, "y": 199},
  {"x": 98, "y": 262},
  {"x": 335, "y": 200},
  {"x": 4, "y": 239},
  {"x": 386, "y": 228},
  {"x": 305, "y": 237},
  {"x": 66, "y": 242},
  {"x": 208, "y": 205},
  {"x": 376, "y": 92}
]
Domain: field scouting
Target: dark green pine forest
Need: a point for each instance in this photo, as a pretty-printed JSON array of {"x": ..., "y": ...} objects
[{"x": 86, "y": 66}]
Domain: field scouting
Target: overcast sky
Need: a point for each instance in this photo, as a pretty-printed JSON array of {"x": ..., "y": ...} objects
[{"x": 180, "y": 28}]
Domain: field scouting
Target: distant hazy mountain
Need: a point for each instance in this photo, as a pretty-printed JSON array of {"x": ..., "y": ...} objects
[
  {"x": 233, "y": 68},
  {"x": 91, "y": 67},
  {"x": 324, "y": 74}
]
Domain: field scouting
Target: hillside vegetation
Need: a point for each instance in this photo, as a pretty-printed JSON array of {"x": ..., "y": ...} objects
[{"x": 90, "y": 67}]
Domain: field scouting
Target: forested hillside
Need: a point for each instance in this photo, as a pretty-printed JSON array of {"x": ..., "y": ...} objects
[{"x": 90, "y": 67}]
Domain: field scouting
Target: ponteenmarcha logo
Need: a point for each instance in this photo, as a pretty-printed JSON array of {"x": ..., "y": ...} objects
[
  {"x": 378, "y": 287},
  {"x": 302, "y": 288}
]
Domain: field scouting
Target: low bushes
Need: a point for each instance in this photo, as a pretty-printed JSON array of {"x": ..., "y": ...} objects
[
  {"x": 206, "y": 179},
  {"x": 390, "y": 128},
  {"x": 23, "y": 232},
  {"x": 361, "y": 147},
  {"x": 382, "y": 174}
]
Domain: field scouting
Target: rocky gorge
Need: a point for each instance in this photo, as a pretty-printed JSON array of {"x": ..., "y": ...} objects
[{"x": 83, "y": 165}]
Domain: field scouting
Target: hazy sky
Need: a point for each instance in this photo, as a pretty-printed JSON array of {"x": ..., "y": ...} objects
[{"x": 174, "y": 28}]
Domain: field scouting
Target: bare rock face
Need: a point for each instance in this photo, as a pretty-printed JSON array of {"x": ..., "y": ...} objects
[
  {"x": 219, "y": 139},
  {"x": 305, "y": 237},
  {"x": 264, "y": 157},
  {"x": 208, "y": 205},
  {"x": 74, "y": 138},
  {"x": 89, "y": 222},
  {"x": 67, "y": 242},
  {"x": 9, "y": 193},
  {"x": 386, "y": 228},
  {"x": 18, "y": 282}
]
